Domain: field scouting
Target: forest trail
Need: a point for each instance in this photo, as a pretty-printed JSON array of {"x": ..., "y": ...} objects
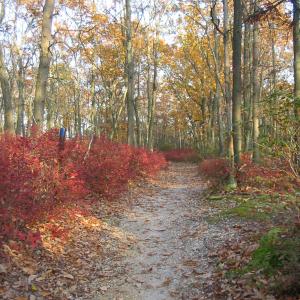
[{"x": 167, "y": 240}]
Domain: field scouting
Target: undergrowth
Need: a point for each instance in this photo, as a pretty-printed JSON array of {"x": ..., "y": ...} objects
[
  {"x": 182, "y": 155},
  {"x": 278, "y": 258},
  {"x": 267, "y": 201},
  {"x": 37, "y": 176}
]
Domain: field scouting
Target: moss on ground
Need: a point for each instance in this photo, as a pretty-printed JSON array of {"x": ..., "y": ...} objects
[{"x": 260, "y": 207}]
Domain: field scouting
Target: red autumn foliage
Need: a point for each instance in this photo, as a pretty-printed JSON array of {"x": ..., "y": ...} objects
[
  {"x": 179, "y": 155},
  {"x": 271, "y": 174},
  {"x": 36, "y": 177},
  {"x": 215, "y": 169}
]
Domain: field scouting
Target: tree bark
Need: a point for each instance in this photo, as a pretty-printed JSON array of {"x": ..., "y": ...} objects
[
  {"x": 247, "y": 88},
  {"x": 236, "y": 89},
  {"x": 255, "y": 99},
  {"x": 44, "y": 65},
  {"x": 20, "y": 130},
  {"x": 151, "y": 91},
  {"x": 129, "y": 75},
  {"x": 296, "y": 41},
  {"x": 217, "y": 99},
  {"x": 7, "y": 97},
  {"x": 5, "y": 85},
  {"x": 227, "y": 81},
  {"x": 136, "y": 109}
]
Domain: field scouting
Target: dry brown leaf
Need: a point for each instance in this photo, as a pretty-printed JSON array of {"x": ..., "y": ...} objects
[
  {"x": 3, "y": 269},
  {"x": 28, "y": 270},
  {"x": 66, "y": 275},
  {"x": 166, "y": 282}
]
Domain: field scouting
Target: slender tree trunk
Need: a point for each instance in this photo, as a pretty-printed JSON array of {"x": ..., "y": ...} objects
[
  {"x": 255, "y": 99},
  {"x": 217, "y": 99},
  {"x": 7, "y": 97},
  {"x": 136, "y": 109},
  {"x": 296, "y": 41},
  {"x": 20, "y": 130},
  {"x": 227, "y": 80},
  {"x": 149, "y": 93},
  {"x": 247, "y": 87},
  {"x": 93, "y": 117},
  {"x": 152, "y": 90},
  {"x": 116, "y": 116},
  {"x": 5, "y": 85},
  {"x": 274, "y": 72},
  {"x": 129, "y": 74},
  {"x": 44, "y": 65},
  {"x": 273, "y": 122},
  {"x": 236, "y": 90}
]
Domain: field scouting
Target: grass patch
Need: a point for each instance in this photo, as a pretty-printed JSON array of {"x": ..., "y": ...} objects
[
  {"x": 250, "y": 209},
  {"x": 216, "y": 197},
  {"x": 262, "y": 207}
]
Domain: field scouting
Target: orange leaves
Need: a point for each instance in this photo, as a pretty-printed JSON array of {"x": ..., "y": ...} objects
[{"x": 100, "y": 18}]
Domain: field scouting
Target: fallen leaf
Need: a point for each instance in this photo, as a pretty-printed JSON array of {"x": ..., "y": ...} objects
[
  {"x": 28, "y": 270},
  {"x": 3, "y": 269},
  {"x": 166, "y": 282},
  {"x": 34, "y": 287},
  {"x": 31, "y": 278},
  {"x": 66, "y": 275}
]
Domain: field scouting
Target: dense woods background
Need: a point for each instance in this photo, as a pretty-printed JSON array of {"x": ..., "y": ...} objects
[{"x": 156, "y": 74}]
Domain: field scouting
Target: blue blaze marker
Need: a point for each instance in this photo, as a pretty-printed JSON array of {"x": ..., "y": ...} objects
[{"x": 62, "y": 133}]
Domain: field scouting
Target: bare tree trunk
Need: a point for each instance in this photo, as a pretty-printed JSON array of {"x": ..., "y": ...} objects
[
  {"x": 247, "y": 88},
  {"x": 227, "y": 81},
  {"x": 273, "y": 121},
  {"x": 136, "y": 109},
  {"x": 79, "y": 129},
  {"x": 274, "y": 72},
  {"x": 93, "y": 117},
  {"x": 116, "y": 116},
  {"x": 7, "y": 97},
  {"x": 255, "y": 99},
  {"x": 129, "y": 74},
  {"x": 5, "y": 86},
  {"x": 296, "y": 41},
  {"x": 44, "y": 65},
  {"x": 21, "y": 101},
  {"x": 236, "y": 90},
  {"x": 50, "y": 106},
  {"x": 217, "y": 99},
  {"x": 152, "y": 90}
]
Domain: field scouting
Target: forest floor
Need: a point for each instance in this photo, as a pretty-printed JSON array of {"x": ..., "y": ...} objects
[{"x": 157, "y": 243}]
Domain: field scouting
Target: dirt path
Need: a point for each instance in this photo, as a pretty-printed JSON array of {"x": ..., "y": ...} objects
[{"x": 167, "y": 240}]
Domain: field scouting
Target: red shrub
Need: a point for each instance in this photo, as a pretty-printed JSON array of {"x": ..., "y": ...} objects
[
  {"x": 271, "y": 174},
  {"x": 181, "y": 155},
  {"x": 36, "y": 177},
  {"x": 148, "y": 163},
  {"x": 216, "y": 170},
  {"x": 32, "y": 182}
]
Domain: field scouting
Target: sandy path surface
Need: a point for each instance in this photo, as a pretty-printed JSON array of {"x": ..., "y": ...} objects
[{"x": 167, "y": 239}]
